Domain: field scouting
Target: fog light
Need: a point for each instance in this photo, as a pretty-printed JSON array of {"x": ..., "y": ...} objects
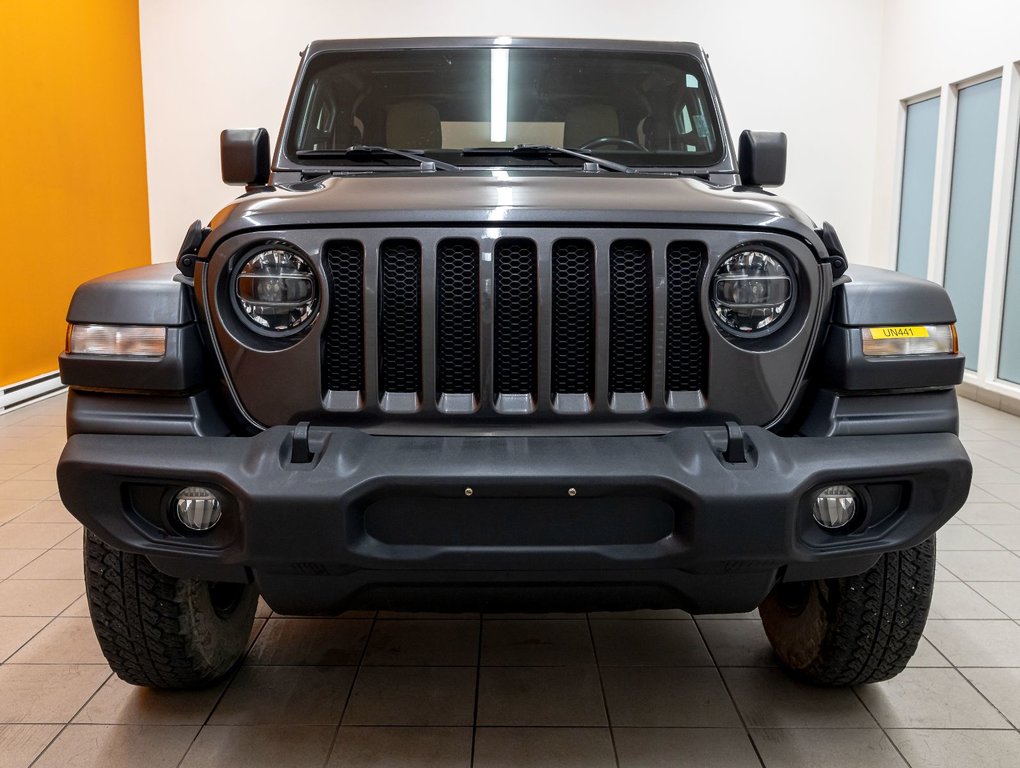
[
  {"x": 197, "y": 508},
  {"x": 835, "y": 506}
]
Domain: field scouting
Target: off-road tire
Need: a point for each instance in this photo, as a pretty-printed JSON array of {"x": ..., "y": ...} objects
[
  {"x": 858, "y": 629},
  {"x": 159, "y": 631}
]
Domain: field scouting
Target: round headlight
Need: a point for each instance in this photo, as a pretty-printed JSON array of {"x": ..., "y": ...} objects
[
  {"x": 276, "y": 290},
  {"x": 751, "y": 292}
]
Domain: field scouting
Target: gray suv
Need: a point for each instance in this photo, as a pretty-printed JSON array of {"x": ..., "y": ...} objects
[{"x": 509, "y": 325}]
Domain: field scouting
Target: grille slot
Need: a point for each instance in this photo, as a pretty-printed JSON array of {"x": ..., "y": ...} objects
[
  {"x": 344, "y": 353},
  {"x": 514, "y": 321},
  {"x": 457, "y": 317},
  {"x": 630, "y": 317},
  {"x": 573, "y": 317},
  {"x": 400, "y": 316},
  {"x": 686, "y": 340}
]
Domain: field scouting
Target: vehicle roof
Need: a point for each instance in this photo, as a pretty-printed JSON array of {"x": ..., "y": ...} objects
[{"x": 411, "y": 43}]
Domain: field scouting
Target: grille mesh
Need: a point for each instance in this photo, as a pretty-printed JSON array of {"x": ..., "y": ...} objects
[
  {"x": 457, "y": 317},
  {"x": 685, "y": 333},
  {"x": 514, "y": 321},
  {"x": 573, "y": 317},
  {"x": 400, "y": 316},
  {"x": 630, "y": 316},
  {"x": 344, "y": 363}
]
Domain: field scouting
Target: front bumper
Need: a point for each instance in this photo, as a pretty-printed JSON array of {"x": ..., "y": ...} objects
[{"x": 520, "y": 522}]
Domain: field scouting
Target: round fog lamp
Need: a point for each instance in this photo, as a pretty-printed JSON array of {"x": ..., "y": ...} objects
[
  {"x": 198, "y": 509},
  {"x": 835, "y": 506}
]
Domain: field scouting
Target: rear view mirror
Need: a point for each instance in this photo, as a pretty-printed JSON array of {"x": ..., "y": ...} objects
[
  {"x": 761, "y": 158},
  {"x": 244, "y": 156}
]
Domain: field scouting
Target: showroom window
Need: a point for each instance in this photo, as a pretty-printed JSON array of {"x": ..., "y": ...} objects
[
  {"x": 1009, "y": 346},
  {"x": 970, "y": 205},
  {"x": 919, "y": 150}
]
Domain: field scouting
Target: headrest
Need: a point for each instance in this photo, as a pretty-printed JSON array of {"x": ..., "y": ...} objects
[{"x": 413, "y": 125}]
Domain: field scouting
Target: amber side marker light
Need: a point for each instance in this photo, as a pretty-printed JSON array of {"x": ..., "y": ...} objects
[
  {"x": 121, "y": 340},
  {"x": 887, "y": 341}
]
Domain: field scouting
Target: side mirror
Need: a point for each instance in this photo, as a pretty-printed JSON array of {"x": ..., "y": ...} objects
[
  {"x": 244, "y": 156},
  {"x": 761, "y": 158}
]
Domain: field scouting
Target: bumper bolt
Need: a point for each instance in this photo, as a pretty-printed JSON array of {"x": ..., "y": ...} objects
[
  {"x": 572, "y": 492},
  {"x": 468, "y": 492}
]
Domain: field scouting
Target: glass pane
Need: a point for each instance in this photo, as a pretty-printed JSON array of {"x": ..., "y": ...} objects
[
  {"x": 643, "y": 108},
  {"x": 1009, "y": 349},
  {"x": 918, "y": 186},
  {"x": 970, "y": 207}
]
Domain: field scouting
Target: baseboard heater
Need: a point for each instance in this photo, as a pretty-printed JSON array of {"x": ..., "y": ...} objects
[{"x": 28, "y": 391}]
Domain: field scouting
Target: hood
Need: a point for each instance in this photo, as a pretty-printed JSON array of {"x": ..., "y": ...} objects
[{"x": 508, "y": 198}]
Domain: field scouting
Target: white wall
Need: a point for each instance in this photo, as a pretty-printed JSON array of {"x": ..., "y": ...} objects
[
  {"x": 927, "y": 45},
  {"x": 801, "y": 66}
]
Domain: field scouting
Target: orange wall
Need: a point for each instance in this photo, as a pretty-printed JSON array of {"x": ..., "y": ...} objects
[{"x": 73, "y": 197}]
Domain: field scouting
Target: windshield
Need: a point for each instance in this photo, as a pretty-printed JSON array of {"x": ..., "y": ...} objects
[{"x": 642, "y": 109}]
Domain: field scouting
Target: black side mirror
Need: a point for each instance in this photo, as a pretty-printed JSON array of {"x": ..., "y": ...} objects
[
  {"x": 244, "y": 156},
  {"x": 761, "y": 158}
]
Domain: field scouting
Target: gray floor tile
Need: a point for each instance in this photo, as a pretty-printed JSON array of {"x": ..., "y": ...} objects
[
  {"x": 564, "y": 696},
  {"x": 737, "y": 643},
  {"x": 768, "y": 698},
  {"x": 323, "y": 642},
  {"x": 420, "y": 643},
  {"x": 118, "y": 746},
  {"x": 121, "y": 703},
  {"x": 21, "y": 744},
  {"x": 383, "y": 747},
  {"x": 828, "y": 747},
  {"x": 958, "y": 748},
  {"x": 978, "y": 643},
  {"x": 667, "y": 697},
  {"x": 45, "y": 693},
  {"x": 544, "y": 748},
  {"x": 671, "y": 747},
  {"x": 1000, "y": 686},
  {"x": 536, "y": 643},
  {"x": 419, "y": 696},
  {"x": 649, "y": 643},
  {"x": 1004, "y": 595},
  {"x": 929, "y": 698},
  {"x": 982, "y": 566},
  {"x": 959, "y": 601},
  {"x": 285, "y": 695},
  {"x": 260, "y": 746}
]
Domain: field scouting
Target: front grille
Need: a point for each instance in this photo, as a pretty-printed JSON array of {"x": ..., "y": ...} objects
[
  {"x": 515, "y": 324},
  {"x": 570, "y": 325},
  {"x": 400, "y": 316},
  {"x": 630, "y": 317},
  {"x": 344, "y": 356},
  {"x": 573, "y": 317},
  {"x": 457, "y": 317},
  {"x": 686, "y": 340}
]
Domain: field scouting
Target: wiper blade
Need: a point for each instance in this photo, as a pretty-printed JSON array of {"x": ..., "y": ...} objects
[
  {"x": 364, "y": 150},
  {"x": 548, "y": 149}
]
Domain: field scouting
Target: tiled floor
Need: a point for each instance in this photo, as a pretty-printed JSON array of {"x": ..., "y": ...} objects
[{"x": 601, "y": 690}]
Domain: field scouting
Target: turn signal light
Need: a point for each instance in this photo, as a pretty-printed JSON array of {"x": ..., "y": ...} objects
[
  {"x": 124, "y": 340},
  {"x": 910, "y": 340}
]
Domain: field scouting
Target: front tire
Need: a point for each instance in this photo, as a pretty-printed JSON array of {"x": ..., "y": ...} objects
[
  {"x": 160, "y": 631},
  {"x": 857, "y": 629}
]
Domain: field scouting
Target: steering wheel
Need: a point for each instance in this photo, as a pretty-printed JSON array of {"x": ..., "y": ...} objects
[{"x": 619, "y": 140}]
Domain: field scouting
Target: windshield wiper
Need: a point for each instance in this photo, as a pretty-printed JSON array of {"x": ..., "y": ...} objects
[
  {"x": 540, "y": 150},
  {"x": 363, "y": 150}
]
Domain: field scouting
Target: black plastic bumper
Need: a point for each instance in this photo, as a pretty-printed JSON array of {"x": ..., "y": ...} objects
[{"x": 513, "y": 522}]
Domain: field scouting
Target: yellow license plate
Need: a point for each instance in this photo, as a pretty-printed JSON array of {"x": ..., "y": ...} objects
[{"x": 900, "y": 332}]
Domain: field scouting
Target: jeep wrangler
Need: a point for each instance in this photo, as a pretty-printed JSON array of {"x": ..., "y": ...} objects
[{"x": 509, "y": 324}]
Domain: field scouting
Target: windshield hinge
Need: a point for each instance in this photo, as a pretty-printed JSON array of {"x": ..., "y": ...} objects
[{"x": 834, "y": 256}]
